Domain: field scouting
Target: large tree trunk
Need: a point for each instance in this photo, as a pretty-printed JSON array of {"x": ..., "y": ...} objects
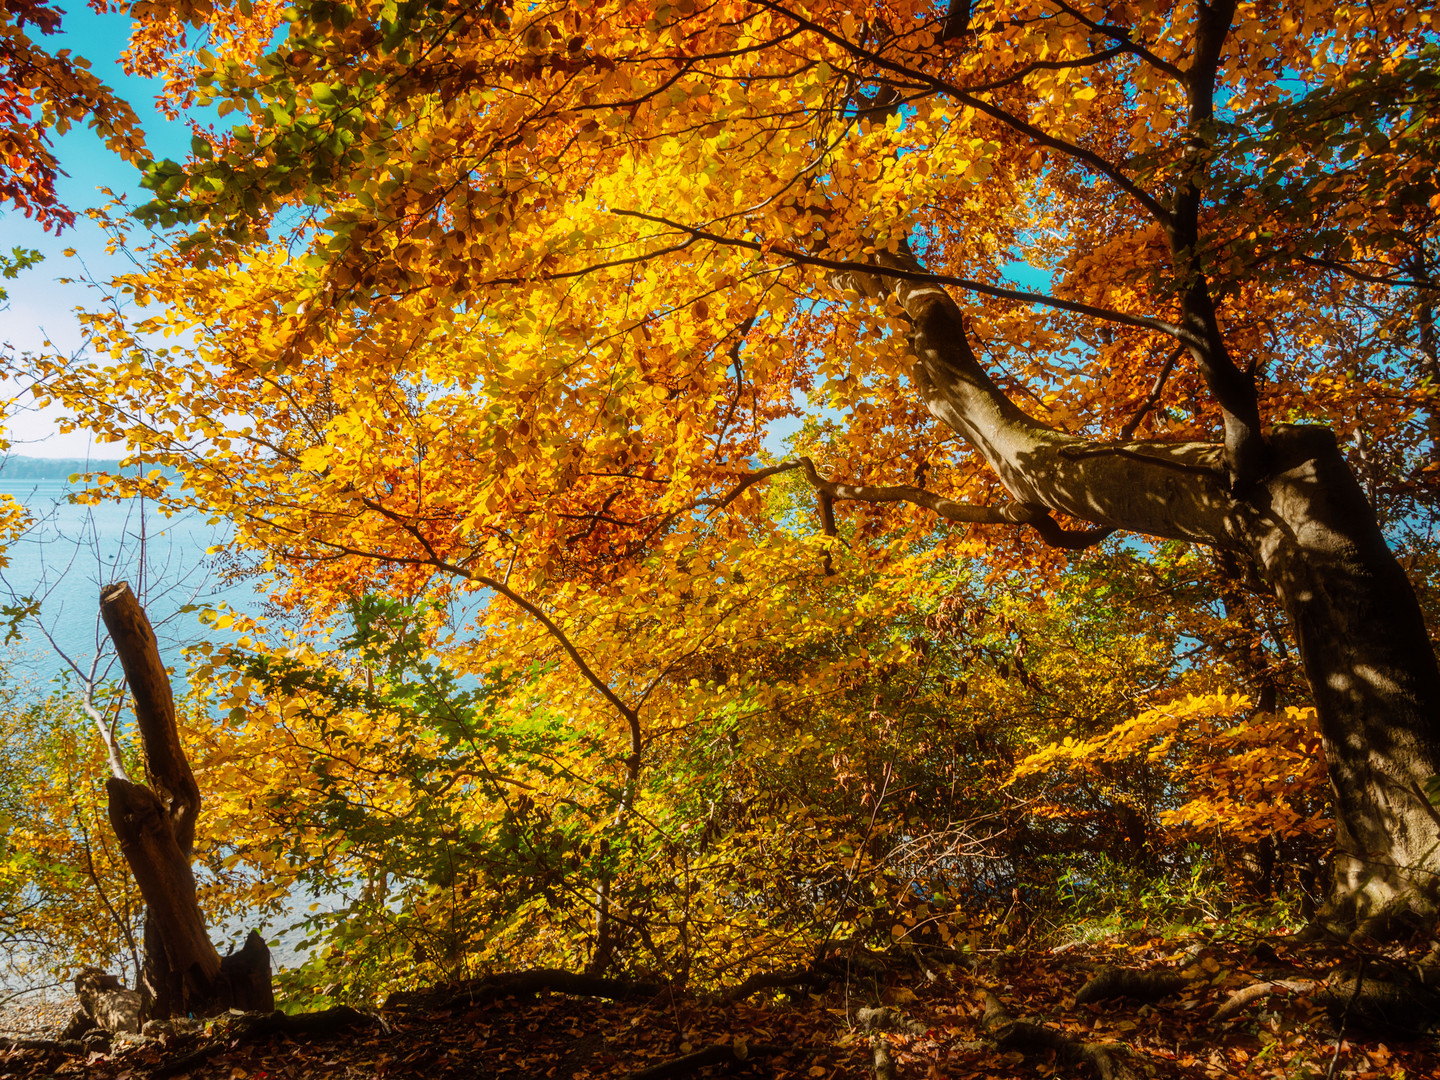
[
  {"x": 1307, "y": 526},
  {"x": 1371, "y": 670},
  {"x": 183, "y": 974}
]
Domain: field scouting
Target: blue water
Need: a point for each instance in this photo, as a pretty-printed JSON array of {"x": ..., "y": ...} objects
[
  {"x": 63, "y": 561},
  {"x": 73, "y": 550}
]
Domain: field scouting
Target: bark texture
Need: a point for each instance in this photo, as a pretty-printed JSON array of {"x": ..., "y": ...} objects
[
  {"x": 182, "y": 973},
  {"x": 106, "y": 1004},
  {"x": 1306, "y": 525}
]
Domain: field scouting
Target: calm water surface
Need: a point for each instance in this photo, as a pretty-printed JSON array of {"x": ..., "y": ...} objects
[
  {"x": 74, "y": 550},
  {"x": 62, "y": 563}
]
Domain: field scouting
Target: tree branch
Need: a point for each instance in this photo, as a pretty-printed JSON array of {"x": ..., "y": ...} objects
[
  {"x": 921, "y": 277},
  {"x": 1105, "y": 168},
  {"x": 1124, "y": 42},
  {"x": 1013, "y": 513},
  {"x": 1152, "y": 398}
]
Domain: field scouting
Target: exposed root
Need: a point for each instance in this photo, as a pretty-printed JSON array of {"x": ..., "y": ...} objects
[
  {"x": 1356, "y": 918},
  {"x": 107, "y": 1003},
  {"x": 1258, "y": 991},
  {"x": 522, "y": 982},
  {"x": 1012, "y": 1034},
  {"x": 885, "y": 1067},
  {"x": 887, "y": 1019},
  {"x": 1113, "y": 982},
  {"x": 250, "y": 1026},
  {"x": 777, "y": 980},
  {"x": 716, "y": 1054},
  {"x": 1390, "y": 1004},
  {"x": 45, "y": 1046}
]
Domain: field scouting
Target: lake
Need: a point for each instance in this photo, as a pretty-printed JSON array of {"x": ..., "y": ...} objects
[
  {"x": 64, "y": 560},
  {"x": 73, "y": 550}
]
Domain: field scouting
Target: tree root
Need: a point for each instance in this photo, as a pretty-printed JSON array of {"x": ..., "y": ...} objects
[
  {"x": 1113, "y": 982},
  {"x": 249, "y": 1026},
  {"x": 45, "y": 1046},
  {"x": 477, "y": 991},
  {"x": 1389, "y": 1005},
  {"x": 1396, "y": 1002},
  {"x": 887, "y": 1019},
  {"x": 1257, "y": 991},
  {"x": 715, "y": 1054},
  {"x": 776, "y": 980},
  {"x": 106, "y": 1003},
  {"x": 885, "y": 1067},
  {"x": 1012, "y": 1034}
]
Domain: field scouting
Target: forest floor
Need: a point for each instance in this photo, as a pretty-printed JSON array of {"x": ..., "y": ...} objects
[{"x": 927, "y": 1018}]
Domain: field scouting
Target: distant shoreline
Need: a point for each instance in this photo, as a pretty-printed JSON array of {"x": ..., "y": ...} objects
[{"x": 15, "y": 467}]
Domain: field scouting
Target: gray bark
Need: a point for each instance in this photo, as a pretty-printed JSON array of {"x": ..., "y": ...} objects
[{"x": 1308, "y": 528}]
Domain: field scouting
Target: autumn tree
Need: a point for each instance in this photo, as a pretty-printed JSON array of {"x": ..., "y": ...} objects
[
  {"x": 44, "y": 92},
  {"x": 491, "y": 298}
]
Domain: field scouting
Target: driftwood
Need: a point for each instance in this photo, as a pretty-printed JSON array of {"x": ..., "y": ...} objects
[
  {"x": 1011, "y": 1034},
  {"x": 538, "y": 981}
]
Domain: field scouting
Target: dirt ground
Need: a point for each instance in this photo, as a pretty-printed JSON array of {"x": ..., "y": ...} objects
[{"x": 919, "y": 1016}]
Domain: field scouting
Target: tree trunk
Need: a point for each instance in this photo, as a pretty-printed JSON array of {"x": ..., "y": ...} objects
[
  {"x": 1371, "y": 671},
  {"x": 1309, "y": 529},
  {"x": 182, "y": 973},
  {"x": 181, "y": 965}
]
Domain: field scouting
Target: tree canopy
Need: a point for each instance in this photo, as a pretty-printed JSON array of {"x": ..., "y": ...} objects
[{"x": 747, "y": 402}]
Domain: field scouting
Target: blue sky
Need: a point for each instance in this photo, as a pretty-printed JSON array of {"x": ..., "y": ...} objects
[{"x": 40, "y": 307}]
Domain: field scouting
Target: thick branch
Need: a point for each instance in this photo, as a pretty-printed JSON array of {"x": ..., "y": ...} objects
[
  {"x": 1175, "y": 490},
  {"x": 1121, "y": 35},
  {"x": 1233, "y": 389},
  {"x": 1008, "y": 514},
  {"x": 1417, "y": 282}
]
